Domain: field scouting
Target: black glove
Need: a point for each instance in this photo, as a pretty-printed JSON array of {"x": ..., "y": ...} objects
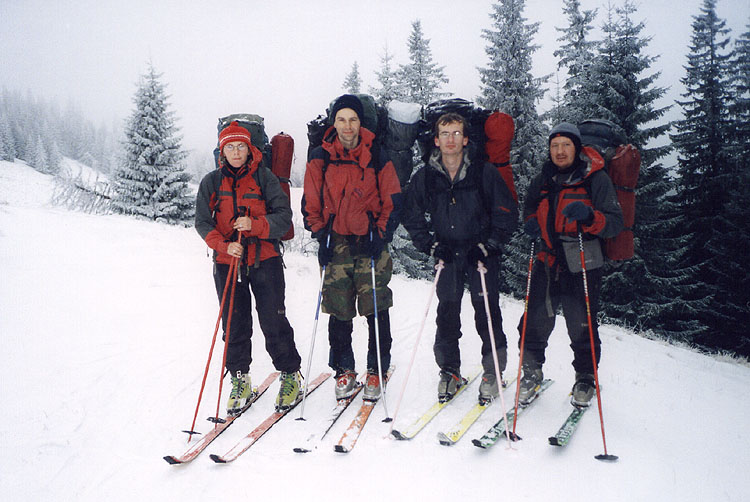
[
  {"x": 376, "y": 244},
  {"x": 442, "y": 251},
  {"x": 580, "y": 212},
  {"x": 478, "y": 253},
  {"x": 531, "y": 228},
  {"x": 325, "y": 252}
]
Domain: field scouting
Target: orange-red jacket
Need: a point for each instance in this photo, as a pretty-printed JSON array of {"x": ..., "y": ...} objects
[
  {"x": 550, "y": 191},
  {"x": 350, "y": 184},
  {"x": 251, "y": 190}
]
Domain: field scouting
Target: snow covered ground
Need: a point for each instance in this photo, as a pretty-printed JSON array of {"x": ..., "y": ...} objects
[{"x": 106, "y": 323}]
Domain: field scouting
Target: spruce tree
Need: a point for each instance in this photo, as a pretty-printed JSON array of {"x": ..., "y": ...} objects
[
  {"x": 7, "y": 144},
  {"x": 150, "y": 180},
  {"x": 388, "y": 80},
  {"x": 421, "y": 78},
  {"x": 353, "y": 81},
  {"x": 576, "y": 54},
  {"x": 705, "y": 178},
  {"x": 508, "y": 85}
]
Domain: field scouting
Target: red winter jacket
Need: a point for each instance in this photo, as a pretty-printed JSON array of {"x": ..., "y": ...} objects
[
  {"x": 345, "y": 183},
  {"x": 258, "y": 192}
]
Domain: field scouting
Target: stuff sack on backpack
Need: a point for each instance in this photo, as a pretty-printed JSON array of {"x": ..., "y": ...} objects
[
  {"x": 402, "y": 131},
  {"x": 499, "y": 129},
  {"x": 623, "y": 164},
  {"x": 282, "y": 155}
]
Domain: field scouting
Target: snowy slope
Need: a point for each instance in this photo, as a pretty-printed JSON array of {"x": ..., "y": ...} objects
[{"x": 106, "y": 323}]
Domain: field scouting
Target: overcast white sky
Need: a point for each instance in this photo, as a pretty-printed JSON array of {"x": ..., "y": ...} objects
[{"x": 282, "y": 59}]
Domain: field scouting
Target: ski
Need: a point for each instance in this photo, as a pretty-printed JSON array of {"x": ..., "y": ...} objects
[
  {"x": 206, "y": 439},
  {"x": 562, "y": 437},
  {"x": 457, "y": 431},
  {"x": 497, "y": 431},
  {"x": 245, "y": 443},
  {"x": 432, "y": 412},
  {"x": 351, "y": 434},
  {"x": 324, "y": 426}
]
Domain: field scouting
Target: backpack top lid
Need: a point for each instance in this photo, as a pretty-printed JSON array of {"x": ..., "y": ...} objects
[{"x": 601, "y": 133}]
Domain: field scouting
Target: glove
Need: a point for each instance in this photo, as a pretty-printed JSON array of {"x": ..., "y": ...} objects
[
  {"x": 325, "y": 253},
  {"x": 442, "y": 251},
  {"x": 531, "y": 228},
  {"x": 376, "y": 244},
  {"x": 477, "y": 253},
  {"x": 580, "y": 212}
]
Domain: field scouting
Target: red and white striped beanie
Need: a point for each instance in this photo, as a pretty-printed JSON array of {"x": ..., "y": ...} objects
[{"x": 234, "y": 132}]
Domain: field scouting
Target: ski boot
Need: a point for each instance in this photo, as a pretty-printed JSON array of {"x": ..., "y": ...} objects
[
  {"x": 346, "y": 383},
  {"x": 488, "y": 390},
  {"x": 289, "y": 392},
  {"x": 372, "y": 387},
  {"x": 583, "y": 390},
  {"x": 241, "y": 394},
  {"x": 530, "y": 384},
  {"x": 449, "y": 384}
]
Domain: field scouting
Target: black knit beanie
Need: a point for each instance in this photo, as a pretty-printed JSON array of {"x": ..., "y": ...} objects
[{"x": 347, "y": 101}]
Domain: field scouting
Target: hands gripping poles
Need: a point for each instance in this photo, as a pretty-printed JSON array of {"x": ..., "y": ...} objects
[
  {"x": 439, "y": 267},
  {"x": 605, "y": 455},
  {"x": 523, "y": 336},
  {"x": 498, "y": 378},
  {"x": 233, "y": 267}
]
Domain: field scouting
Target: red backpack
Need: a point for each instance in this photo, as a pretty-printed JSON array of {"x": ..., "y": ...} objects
[{"x": 623, "y": 164}]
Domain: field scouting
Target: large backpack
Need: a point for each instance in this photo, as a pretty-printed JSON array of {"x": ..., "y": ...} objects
[
  {"x": 622, "y": 161},
  {"x": 277, "y": 154}
]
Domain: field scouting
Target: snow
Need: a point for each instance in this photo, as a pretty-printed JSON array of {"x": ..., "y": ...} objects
[{"x": 106, "y": 323}]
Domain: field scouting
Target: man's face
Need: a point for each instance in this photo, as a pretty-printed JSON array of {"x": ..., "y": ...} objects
[
  {"x": 450, "y": 138},
  {"x": 562, "y": 151},
  {"x": 347, "y": 126},
  {"x": 236, "y": 153}
]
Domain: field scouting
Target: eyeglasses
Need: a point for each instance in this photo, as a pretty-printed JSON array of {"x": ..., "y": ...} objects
[
  {"x": 447, "y": 134},
  {"x": 240, "y": 148}
]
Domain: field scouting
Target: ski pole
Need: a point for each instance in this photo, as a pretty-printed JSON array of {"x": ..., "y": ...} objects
[
  {"x": 523, "y": 336},
  {"x": 329, "y": 227},
  {"x": 377, "y": 340},
  {"x": 439, "y": 267},
  {"x": 210, "y": 352},
  {"x": 605, "y": 455},
  {"x": 312, "y": 341},
  {"x": 235, "y": 275},
  {"x": 498, "y": 378}
]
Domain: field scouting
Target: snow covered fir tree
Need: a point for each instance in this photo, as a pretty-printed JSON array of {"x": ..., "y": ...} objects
[
  {"x": 353, "y": 81},
  {"x": 151, "y": 181}
]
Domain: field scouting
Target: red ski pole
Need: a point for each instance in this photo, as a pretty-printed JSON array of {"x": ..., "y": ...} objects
[
  {"x": 605, "y": 455},
  {"x": 523, "y": 337},
  {"x": 232, "y": 267}
]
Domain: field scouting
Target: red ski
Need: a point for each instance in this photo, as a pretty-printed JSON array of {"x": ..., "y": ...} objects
[
  {"x": 249, "y": 440},
  {"x": 205, "y": 440}
]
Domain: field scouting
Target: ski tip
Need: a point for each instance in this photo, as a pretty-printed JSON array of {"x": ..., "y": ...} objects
[
  {"x": 172, "y": 460},
  {"x": 340, "y": 449},
  {"x": 217, "y": 459},
  {"x": 607, "y": 457},
  {"x": 554, "y": 441},
  {"x": 444, "y": 440}
]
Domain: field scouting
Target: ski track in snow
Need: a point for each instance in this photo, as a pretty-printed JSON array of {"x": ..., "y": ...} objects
[{"x": 107, "y": 321}]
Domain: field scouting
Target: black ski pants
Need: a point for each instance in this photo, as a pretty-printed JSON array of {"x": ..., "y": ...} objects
[
  {"x": 552, "y": 288},
  {"x": 450, "y": 290},
  {"x": 341, "y": 355},
  {"x": 267, "y": 285}
]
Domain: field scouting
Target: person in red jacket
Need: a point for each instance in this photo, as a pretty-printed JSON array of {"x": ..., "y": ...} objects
[
  {"x": 573, "y": 194},
  {"x": 241, "y": 212},
  {"x": 351, "y": 204}
]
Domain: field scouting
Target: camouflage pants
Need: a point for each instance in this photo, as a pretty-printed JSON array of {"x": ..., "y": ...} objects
[{"x": 348, "y": 282}]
